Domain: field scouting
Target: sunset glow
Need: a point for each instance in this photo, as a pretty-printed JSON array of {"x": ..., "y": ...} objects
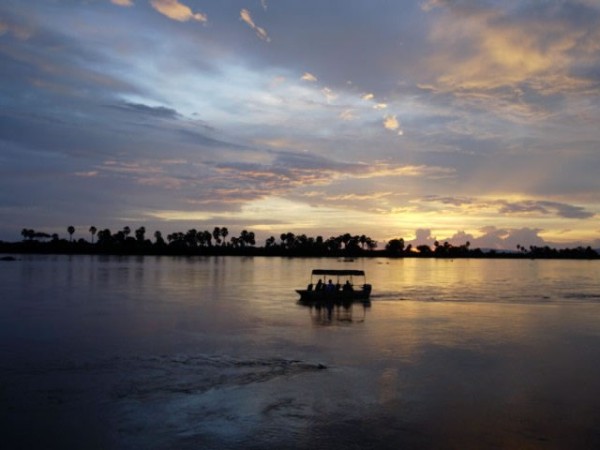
[{"x": 426, "y": 120}]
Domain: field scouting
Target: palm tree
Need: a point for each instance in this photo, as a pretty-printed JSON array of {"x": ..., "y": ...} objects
[
  {"x": 104, "y": 236},
  {"x": 246, "y": 237},
  {"x": 71, "y": 230},
  {"x": 217, "y": 235},
  {"x": 224, "y": 233},
  {"x": 346, "y": 238},
  {"x": 93, "y": 230},
  {"x": 140, "y": 234},
  {"x": 371, "y": 244},
  {"x": 191, "y": 238},
  {"x": 207, "y": 237}
]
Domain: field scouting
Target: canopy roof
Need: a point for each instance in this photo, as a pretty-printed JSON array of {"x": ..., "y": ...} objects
[{"x": 343, "y": 273}]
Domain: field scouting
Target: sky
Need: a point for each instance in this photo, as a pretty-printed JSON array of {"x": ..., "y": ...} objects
[{"x": 449, "y": 120}]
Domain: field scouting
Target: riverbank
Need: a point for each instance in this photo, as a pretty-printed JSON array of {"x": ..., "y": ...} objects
[{"x": 134, "y": 248}]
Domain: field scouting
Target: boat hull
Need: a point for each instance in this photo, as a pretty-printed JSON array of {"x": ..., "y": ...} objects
[{"x": 333, "y": 296}]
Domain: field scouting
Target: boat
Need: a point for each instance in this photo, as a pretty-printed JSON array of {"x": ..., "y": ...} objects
[{"x": 336, "y": 285}]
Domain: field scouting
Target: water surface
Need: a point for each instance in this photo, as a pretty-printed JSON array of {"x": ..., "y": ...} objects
[{"x": 161, "y": 352}]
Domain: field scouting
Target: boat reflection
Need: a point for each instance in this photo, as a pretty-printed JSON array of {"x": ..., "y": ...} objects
[{"x": 327, "y": 313}]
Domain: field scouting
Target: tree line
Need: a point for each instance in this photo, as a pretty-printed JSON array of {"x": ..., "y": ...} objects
[{"x": 219, "y": 241}]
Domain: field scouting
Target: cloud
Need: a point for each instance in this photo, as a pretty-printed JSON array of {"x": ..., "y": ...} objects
[
  {"x": 545, "y": 208},
  {"x": 348, "y": 115},
  {"x": 260, "y": 32},
  {"x": 88, "y": 174},
  {"x": 368, "y": 96},
  {"x": 175, "y": 10},
  {"x": 19, "y": 31},
  {"x": 160, "y": 112},
  {"x": 356, "y": 197},
  {"x": 122, "y": 2},
  {"x": 489, "y": 237},
  {"x": 507, "y": 238},
  {"x": 445, "y": 200},
  {"x": 519, "y": 208},
  {"x": 391, "y": 123},
  {"x": 501, "y": 49},
  {"x": 299, "y": 169},
  {"x": 330, "y": 96},
  {"x": 308, "y": 77}
]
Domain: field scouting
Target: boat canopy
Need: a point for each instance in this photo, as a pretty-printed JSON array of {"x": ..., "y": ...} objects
[{"x": 340, "y": 273}]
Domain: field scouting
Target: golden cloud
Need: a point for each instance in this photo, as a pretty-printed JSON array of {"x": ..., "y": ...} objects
[
  {"x": 260, "y": 32},
  {"x": 487, "y": 50},
  {"x": 122, "y": 2},
  {"x": 175, "y": 10},
  {"x": 308, "y": 77},
  {"x": 391, "y": 123}
]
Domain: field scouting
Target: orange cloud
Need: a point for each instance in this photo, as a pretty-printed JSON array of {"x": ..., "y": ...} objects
[
  {"x": 485, "y": 50},
  {"x": 308, "y": 77},
  {"x": 177, "y": 11},
  {"x": 122, "y": 2},
  {"x": 391, "y": 123},
  {"x": 260, "y": 32}
]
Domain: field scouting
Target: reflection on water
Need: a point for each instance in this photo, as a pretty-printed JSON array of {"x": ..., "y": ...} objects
[
  {"x": 326, "y": 313},
  {"x": 188, "y": 353}
]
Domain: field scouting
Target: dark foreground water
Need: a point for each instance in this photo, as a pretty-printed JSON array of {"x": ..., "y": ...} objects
[{"x": 215, "y": 353}]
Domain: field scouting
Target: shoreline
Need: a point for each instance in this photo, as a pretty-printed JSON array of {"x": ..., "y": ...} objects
[{"x": 9, "y": 249}]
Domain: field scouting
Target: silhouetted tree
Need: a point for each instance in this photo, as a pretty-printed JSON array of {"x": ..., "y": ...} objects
[
  {"x": 395, "y": 247},
  {"x": 424, "y": 249},
  {"x": 217, "y": 235},
  {"x": 140, "y": 234},
  {"x": 270, "y": 242},
  {"x": 27, "y": 233},
  {"x": 224, "y": 233},
  {"x": 104, "y": 237},
  {"x": 158, "y": 238},
  {"x": 93, "y": 230},
  {"x": 71, "y": 230},
  {"x": 205, "y": 238}
]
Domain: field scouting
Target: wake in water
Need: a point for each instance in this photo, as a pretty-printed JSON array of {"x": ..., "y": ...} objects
[
  {"x": 187, "y": 374},
  {"x": 474, "y": 297}
]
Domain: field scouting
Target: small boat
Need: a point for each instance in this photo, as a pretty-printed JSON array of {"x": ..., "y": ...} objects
[{"x": 336, "y": 285}]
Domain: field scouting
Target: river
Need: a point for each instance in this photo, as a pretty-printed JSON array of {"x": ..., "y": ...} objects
[{"x": 216, "y": 352}]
